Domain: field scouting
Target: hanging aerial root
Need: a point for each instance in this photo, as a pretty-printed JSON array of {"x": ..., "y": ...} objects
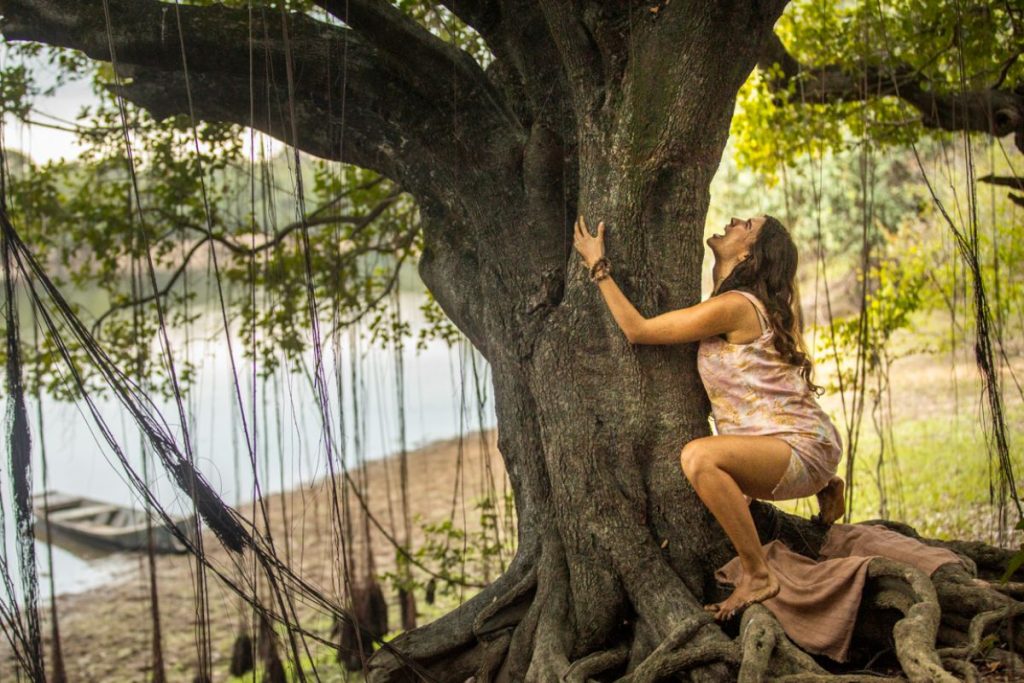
[
  {"x": 767, "y": 648},
  {"x": 273, "y": 668},
  {"x": 241, "y": 654},
  {"x": 407, "y": 605},
  {"x": 356, "y": 636},
  {"x": 916, "y": 632}
]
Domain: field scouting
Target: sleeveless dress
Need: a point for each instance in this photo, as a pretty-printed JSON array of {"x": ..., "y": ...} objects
[{"x": 754, "y": 392}]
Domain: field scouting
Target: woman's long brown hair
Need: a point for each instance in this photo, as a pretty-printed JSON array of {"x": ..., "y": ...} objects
[{"x": 769, "y": 273}]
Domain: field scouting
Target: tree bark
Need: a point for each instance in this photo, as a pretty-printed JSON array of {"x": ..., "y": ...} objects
[{"x": 603, "y": 108}]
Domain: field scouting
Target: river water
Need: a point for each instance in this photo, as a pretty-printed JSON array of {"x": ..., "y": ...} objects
[{"x": 447, "y": 391}]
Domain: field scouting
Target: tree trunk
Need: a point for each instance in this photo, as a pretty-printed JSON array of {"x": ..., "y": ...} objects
[
  {"x": 616, "y": 551},
  {"x": 617, "y": 111}
]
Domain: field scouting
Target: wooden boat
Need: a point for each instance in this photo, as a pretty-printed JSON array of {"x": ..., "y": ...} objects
[{"x": 91, "y": 527}]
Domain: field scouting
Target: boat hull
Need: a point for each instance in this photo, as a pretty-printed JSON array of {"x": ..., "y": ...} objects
[{"x": 88, "y": 527}]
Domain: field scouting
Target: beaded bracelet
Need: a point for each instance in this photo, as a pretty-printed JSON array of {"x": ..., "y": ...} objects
[{"x": 601, "y": 269}]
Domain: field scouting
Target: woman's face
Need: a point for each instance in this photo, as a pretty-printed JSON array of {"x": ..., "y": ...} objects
[{"x": 736, "y": 240}]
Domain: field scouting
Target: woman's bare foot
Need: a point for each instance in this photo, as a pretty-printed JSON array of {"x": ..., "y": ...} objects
[
  {"x": 831, "y": 501},
  {"x": 750, "y": 590}
]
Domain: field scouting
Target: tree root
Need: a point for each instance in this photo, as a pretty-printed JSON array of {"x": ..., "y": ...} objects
[
  {"x": 964, "y": 668},
  {"x": 675, "y": 661},
  {"x": 759, "y": 637},
  {"x": 449, "y": 644},
  {"x": 979, "y": 624},
  {"x": 915, "y": 633},
  {"x": 834, "y": 678},
  {"x": 501, "y": 612},
  {"x": 522, "y": 628},
  {"x": 546, "y": 630},
  {"x": 495, "y": 650},
  {"x": 655, "y": 662},
  {"x": 989, "y": 561},
  {"x": 1011, "y": 589},
  {"x": 767, "y": 648},
  {"x": 581, "y": 670}
]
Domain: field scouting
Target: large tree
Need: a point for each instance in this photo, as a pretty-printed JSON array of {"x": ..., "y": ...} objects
[{"x": 617, "y": 110}]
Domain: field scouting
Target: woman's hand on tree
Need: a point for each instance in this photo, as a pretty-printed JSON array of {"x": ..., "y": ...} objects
[{"x": 590, "y": 248}]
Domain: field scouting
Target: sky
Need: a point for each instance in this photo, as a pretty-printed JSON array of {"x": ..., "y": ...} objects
[{"x": 46, "y": 144}]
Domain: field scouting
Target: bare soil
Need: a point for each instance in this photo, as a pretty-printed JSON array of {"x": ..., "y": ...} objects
[{"x": 106, "y": 633}]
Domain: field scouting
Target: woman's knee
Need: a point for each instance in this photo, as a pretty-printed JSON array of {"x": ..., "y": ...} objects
[{"x": 696, "y": 460}]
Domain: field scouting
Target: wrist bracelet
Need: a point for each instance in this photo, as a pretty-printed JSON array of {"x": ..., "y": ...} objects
[{"x": 601, "y": 269}]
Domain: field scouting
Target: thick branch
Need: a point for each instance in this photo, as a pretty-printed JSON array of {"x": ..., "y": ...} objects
[
  {"x": 580, "y": 57},
  {"x": 996, "y": 111},
  {"x": 236, "y": 61},
  {"x": 422, "y": 58}
]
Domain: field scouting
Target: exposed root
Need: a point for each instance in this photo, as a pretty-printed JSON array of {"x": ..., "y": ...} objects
[
  {"x": 495, "y": 650},
  {"x": 767, "y": 649},
  {"x": 759, "y": 637},
  {"x": 963, "y": 598},
  {"x": 552, "y": 638},
  {"x": 449, "y": 644},
  {"x": 960, "y": 593},
  {"x": 950, "y": 636},
  {"x": 520, "y": 649},
  {"x": 914, "y": 634},
  {"x": 976, "y": 631},
  {"x": 835, "y": 678},
  {"x": 678, "y": 638},
  {"x": 497, "y": 615},
  {"x": 496, "y": 622},
  {"x": 962, "y": 667},
  {"x": 1012, "y": 589},
  {"x": 581, "y": 670},
  {"x": 686, "y": 658},
  {"x": 1009, "y": 660}
]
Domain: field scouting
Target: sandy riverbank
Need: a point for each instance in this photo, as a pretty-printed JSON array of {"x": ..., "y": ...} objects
[{"x": 106, "y": 633}]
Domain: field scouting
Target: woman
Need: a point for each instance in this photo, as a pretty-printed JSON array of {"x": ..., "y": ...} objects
[{"x": 774, "y": 442}]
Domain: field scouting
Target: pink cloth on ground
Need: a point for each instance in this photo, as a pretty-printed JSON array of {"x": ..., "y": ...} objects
[
  {"x": 818, "y": 601},
  {"x": 755, "y": 392},
  {"x": 847, "y": 540}
]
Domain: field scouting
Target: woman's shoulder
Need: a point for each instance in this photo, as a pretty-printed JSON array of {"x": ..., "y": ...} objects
[{"x": 741, "y": 295}]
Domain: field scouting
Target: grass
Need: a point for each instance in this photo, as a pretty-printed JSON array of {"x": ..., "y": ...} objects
[{"x": 936, "y": 475}]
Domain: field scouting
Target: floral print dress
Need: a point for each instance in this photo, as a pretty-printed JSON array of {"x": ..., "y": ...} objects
[{"x": 755, "y": 392}]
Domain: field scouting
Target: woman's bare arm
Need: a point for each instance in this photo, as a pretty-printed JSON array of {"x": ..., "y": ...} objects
[{"x": 718, "y": 315}]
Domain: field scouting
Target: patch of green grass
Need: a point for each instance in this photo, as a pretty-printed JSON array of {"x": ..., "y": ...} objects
[{"x": 936, "y": 478}]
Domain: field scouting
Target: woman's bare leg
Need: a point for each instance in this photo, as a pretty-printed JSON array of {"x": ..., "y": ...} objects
[{"x": 722, "y": 469}]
